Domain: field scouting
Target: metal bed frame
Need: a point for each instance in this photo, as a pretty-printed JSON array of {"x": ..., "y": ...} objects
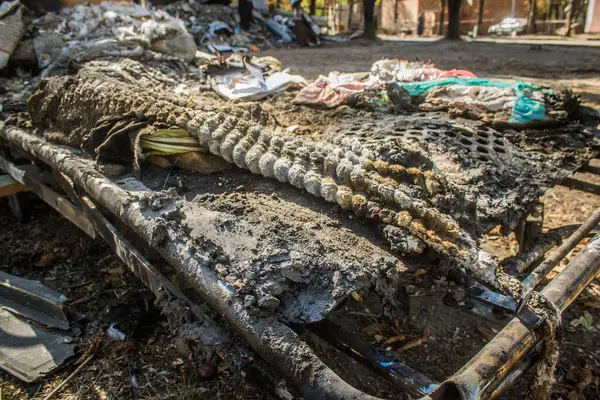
[{"x": 91, "y": 200}]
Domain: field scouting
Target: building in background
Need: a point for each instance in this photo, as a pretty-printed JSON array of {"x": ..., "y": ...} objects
[
  {"x": 400, "y": 16},
  {"x": 592, "y": 20}
]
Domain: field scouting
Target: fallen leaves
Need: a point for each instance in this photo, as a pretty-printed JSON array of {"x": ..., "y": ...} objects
[
  {"x": 47, "y": 260},
  {"x": 583, "y": 379},
  {"x": 177, "y": 362},
  {"x": 394, "y": 339},
  {"x": 414, "y": 343},
  {"x": 115, "y": 275},
  {"x": 487, "y": 333},
  {"x": 357, "y": 297},
  {"x": 91, "y": 348}
]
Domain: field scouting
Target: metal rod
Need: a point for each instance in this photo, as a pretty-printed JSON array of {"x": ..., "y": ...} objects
[
  {"x": 511, "y": 378},
  {"x": 53, "y": 199},
  {"x": 483, "y": 374},
  {"x": 538, "y": 274},
  {"x": 159, "y": 285},
  {"x": 385, "y": 363},
  {"x": 271, "y": 339},
  {"x": 522, "y": 261}
]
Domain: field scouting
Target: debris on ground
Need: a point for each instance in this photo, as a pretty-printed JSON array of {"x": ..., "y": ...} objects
[
  {"x": 32, "y": 300},
  {"x": 458, "y": 92},
  {"x": 216, "y": 27},
  {"x": 258, "y": 78},
  {"x": 149, "y": 355},
  {"x": 108, "y": 30},
  {"x": 13, "y": 24},
  {"x": 122, "y": 319},
  {"x": 35, "y": 334}
]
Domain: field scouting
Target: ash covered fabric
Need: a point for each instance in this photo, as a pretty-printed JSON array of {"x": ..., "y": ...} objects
[
  {"x": 516, "y": 102},
  {"x": 396, "y": 70},
  {"x": 12, "y": 29},
  {"x": 336, "y": 88}
]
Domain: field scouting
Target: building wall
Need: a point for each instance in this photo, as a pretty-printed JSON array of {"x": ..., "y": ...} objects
[
  {"x": 494, "y": 11},
  {"x": 400, "y": 18},
  {"x": 341, "y": 17},
  {"x": 339, "y": 21},
  {"x": 592, "y": 22}
]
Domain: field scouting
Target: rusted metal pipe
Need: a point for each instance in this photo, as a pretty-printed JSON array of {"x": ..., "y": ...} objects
[
  {"x": 233, "y": 351},
  {"x": 482, "y": 376},
  {"x": 538, "y": 274},
  {"x": 522, "y": 261},
  {"x": 273, "y": 341},
  {"x": 383, "y": 362},
  {"x": 511, "y": 378}
]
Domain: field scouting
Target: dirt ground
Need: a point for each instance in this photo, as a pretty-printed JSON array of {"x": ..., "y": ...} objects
[{"x": 152, "y": 363}]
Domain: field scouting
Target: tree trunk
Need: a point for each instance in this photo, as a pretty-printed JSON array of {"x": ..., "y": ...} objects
[
  {"x": 480, "y": 16},
  {"x": 453, "y": 32},
  {"x": 442, "y": 15},
  {"x": 350, "y": 10},
  {"x": 313, "y": 7},
  {"x": 531, "y": 17},
  {"x": 245, "y": 11},
  {"x": 568, "y": 17},
  {"x": 369, "y": 13}
]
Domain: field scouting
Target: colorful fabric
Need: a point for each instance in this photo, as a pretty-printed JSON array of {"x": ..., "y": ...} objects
[{"x": 524, "y": 109}]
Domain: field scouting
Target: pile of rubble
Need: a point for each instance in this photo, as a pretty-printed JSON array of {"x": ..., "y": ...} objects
[
  {"x": 117, "y": 30},
  {"x": 216, "y": 27}
]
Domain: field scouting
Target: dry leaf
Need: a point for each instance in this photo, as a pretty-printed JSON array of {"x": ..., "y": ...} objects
[
  {"x": 357, "y": 297},
  {"x": 117, "y": 271},
  {"x": 487, "y": 333},
  {"x": 373, "y": 328},
  {"x": 394, "y": 339},
  {"x": 91, "y": 349},
  {"x": 47, "y": 260},
  {"x": 586, "y": 321},
  {"x": 587, "y": 375}
]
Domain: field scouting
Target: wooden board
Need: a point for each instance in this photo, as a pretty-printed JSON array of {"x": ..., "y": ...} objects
[{"x": 8, "y": 186}]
